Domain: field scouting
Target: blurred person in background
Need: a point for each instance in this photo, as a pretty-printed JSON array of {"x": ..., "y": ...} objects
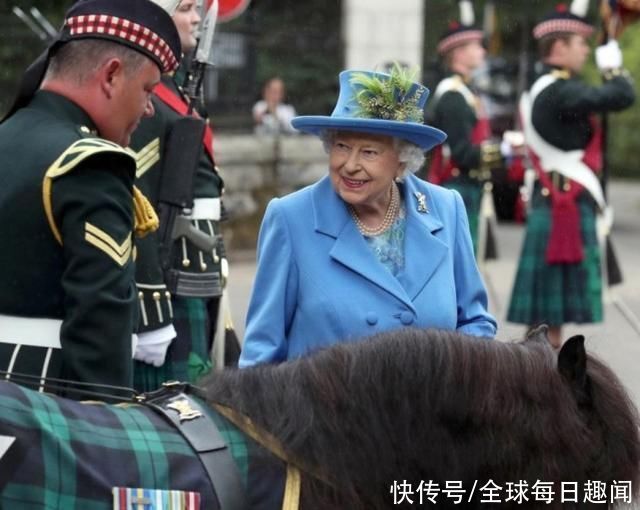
[
  {"x": 271, "y": 115},
  {"x": 559, "y": 276}
]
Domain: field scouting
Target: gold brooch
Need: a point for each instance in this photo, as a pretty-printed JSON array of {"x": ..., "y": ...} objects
[
  {"x": 422, "y": 202},
  {"x": 184, "y": 409}
]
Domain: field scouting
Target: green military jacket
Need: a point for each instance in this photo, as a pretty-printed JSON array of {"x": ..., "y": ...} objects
[
  {"x": 562, "y": 112},
  {"x": 66, "y": 222},
  {"x": 200, "y": 268},
  {"x": 453, "y": 114}
]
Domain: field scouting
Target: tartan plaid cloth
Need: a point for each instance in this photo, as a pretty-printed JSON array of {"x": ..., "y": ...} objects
[
  {"x": 189, "y": 355},
  {"x": 70, "y": 455},
  {"x": 556, "y": 294},
  {"x": 471, "y": 192}
]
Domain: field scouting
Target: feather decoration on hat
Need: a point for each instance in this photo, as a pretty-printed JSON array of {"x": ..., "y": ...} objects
[
  {"x": 579, "y": 8},
  {"x": 467, "y": 16},
  {"x": 394, "y": 98}
]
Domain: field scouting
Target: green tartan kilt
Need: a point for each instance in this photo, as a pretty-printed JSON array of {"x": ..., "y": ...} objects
[
  {"x": 189, "y": 355},
  {"x": 556, "y": 294},
  {"x": 471, "y": 192}
]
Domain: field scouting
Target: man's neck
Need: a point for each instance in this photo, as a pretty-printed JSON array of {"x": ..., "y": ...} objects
[{"x": 461, "y": 70}]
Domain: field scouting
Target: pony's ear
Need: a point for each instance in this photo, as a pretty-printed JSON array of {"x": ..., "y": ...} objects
[
  {"x": 538, "y": 334},
  {"x": 572, "y": 364}
]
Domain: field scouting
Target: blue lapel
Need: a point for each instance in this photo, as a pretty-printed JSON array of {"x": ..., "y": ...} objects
[
  {"x": 332, "y": 218},
  {"x": 423, "y": 250}
]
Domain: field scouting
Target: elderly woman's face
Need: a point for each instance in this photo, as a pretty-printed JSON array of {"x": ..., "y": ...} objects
[{"x": 362, "y": 167}]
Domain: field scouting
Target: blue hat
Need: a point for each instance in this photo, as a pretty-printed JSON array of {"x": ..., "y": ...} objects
[{"x": 377, "y": 103}]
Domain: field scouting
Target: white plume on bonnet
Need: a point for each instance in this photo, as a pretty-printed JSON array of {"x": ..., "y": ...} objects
[
  {"x": 467, "y": 16},
  {"x": 168, "y": 5},
  {"x": 579, "y": 8}
]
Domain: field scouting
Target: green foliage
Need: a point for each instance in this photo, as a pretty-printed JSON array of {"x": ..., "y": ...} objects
[{"x": 395, "y": 98}]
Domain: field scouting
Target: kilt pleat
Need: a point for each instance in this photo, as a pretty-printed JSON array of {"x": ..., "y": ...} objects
[{"x": 557, "y": 294}]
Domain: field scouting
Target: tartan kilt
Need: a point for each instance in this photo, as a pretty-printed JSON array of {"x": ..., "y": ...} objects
[
  {"x": 189, "y": 355},
  {"x": 556, "y": 294},
  {"x": 471, "y": 192}
]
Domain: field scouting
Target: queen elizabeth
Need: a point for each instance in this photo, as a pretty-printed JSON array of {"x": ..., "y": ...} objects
[{"x": 370, "y": 247}]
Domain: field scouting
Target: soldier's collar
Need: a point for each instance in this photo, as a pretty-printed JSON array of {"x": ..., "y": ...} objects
[
  {"x": 455, "y": 74},
  {"x": 559, "y": 72},
  {"x": 61, "y": 107}
]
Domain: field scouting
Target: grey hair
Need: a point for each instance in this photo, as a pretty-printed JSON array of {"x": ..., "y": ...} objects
[
  {"x": 80, "y": 59},
  {"x": 408, "y": 153}
]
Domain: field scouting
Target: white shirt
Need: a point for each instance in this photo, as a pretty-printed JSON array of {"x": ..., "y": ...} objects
[{"x": 274, "y": 124}]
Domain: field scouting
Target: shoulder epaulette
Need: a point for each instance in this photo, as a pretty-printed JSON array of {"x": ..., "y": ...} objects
[
  {"x": 454, "y": 84},
  {"x": 75, "y": 154},
  {"x": 561, "y": 74}
]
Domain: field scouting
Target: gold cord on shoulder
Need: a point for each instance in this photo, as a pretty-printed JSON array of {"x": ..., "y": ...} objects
[
  {"x": 146, "y": 219},
  {"x": 66, "y": 162}
]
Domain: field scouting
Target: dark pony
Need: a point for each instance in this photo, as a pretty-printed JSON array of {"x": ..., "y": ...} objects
[
  {"x": 426, "y": 405},
  {"x": 371, "y": 425}
]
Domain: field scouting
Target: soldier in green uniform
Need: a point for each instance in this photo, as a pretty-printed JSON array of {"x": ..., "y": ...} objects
[
  {"x": 464, "y": 162},
  {"x": 67, "y": 204},
  {"x": 179, "y": 288},
  {"x": 559, "y": 274}
]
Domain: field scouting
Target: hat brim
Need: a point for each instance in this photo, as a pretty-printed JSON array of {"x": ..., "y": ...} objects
[{"x": 426, "y": 137}]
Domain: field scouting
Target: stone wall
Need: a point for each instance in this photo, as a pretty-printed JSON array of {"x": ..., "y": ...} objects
[{"x": 258, "y": 168}]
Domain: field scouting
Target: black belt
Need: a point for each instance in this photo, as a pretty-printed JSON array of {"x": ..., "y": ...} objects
[
  {"x": 186, "y": 414},
  {"x": 198, "y": 285}
]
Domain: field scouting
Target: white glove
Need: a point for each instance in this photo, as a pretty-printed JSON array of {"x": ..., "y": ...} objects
[
  {"x": 152, "y": 345},
  {"x": 511, "y": 144},
  {"x": 609, "y": 56},
  {"x": 506, "y": 149}
]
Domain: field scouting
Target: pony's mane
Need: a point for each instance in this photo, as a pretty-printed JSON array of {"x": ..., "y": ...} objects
[{"x": 435, "y": 405}]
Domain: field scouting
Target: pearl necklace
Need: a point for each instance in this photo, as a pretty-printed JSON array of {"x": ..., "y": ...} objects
[{"x": 388, "y": 220}]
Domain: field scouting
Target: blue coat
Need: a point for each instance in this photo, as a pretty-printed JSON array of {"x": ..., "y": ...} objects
[{"x": 318, "y": 282}]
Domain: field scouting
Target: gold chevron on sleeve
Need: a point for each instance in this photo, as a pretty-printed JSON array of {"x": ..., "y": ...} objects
[
  {"x": 146, "y": 157},
  {"x": 97, "y": 237},
  {"x": 67, "y": 161}
]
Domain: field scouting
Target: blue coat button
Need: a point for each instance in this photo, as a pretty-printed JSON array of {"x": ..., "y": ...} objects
[
  {"x": 406, "y": 318},
  {"x": 372, "y": 319}
]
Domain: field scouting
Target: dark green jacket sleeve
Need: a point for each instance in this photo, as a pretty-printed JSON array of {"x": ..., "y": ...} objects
[
  {"x": 457, "y": 119},
  {"x": 577, "y": 96},
  {"x": 93, "y": 209}
]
